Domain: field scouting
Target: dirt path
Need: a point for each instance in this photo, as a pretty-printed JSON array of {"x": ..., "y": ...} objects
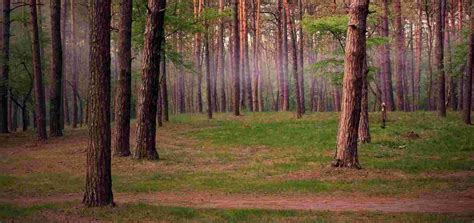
[{"x": 286, "y": 202}]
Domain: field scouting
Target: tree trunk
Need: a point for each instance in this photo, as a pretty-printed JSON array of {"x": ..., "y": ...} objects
[
  {"x": 124, "y": 81},
  {"x": 257, "y": 91},
  {"x": 221, "y": 58},
  {"x": 286, "y": 97},
  {"x": 364, "y": 132},
  {"x": 55, "y": 95},
  {"x": 98, "y": 190},
  {"x": 301, "y": 57},
  {"x": 469, "y": 72},
  {"x": 386, "y": 63},
  {"x": 294, "y": 54},
  {"x": 399, "y": 54},
  {"x": 355, "y": 52},
  {"x": 4, "y": 60},
  {"x": 439, "y": 60},
  {"x": 208, "y": 71},
  {"x": 197, "y": 56},
  {"x": 148, "y": 94},
  {"x": 38, "y": 76},
  {"x": 75, "y": 118},
  {"x": 418, "y": 52},
  {"x": 236, "y": 43},
  {"x": 164, "y": 86}
]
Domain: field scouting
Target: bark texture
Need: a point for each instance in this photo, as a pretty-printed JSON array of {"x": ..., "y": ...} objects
[
  {"x": 55, "y": 95},
  {"x": 439, "y": 60},
  {"x": 98, "y": 190},
  {"x": 469, "y": 72},
  {"x": 4, "y": 67},
  {"x": 40, "y": 110},
  {"x": 236, "y": 42},
  {"x": 355, "y": 52},
  {"x": 124, "y": 84},
  {"x": 148, "y": 92}
]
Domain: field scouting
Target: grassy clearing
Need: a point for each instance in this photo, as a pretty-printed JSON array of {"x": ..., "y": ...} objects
[
  {"x": 144, "y": 212},
  {"x": 259, "y": 153}
]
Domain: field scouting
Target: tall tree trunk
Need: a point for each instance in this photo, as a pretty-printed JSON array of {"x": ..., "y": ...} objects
[
  {"x": 148, "y": 94},
  {"x": 75, "y": 117},
  {"x": 355, "y": 52},
  {"x": 418, "y": 52},
  {"x": 399, "y": 54},
  {"x": 286, "y": 97},
  {"x": 236, "y": 42},
  {"x": 279, "y": 56},
  {"x": 469, "y": 71},
  {"x": 164, "y": 85},
  {"x": 4, "y": 60},
  {"x": 208, "y": 71},
  {"x": 364, "y": 132},
  {"x": 124, "y": 81},
  {"x": 257, "y": 91},
  {"x": 430, "y": 53},
  {"x": 40, "y": 109},
  {"x": 198, "y": 4},
  {"x": 98, "y": 191},
  {"x": 221, "y": 58},
  {"x": 439, "y": 60},
  {"x": 301, "y": 57},
  {"x": 56, "y": 70},
  {"x": 386, "y": 61},
  {"x": 294, "y": 54}
]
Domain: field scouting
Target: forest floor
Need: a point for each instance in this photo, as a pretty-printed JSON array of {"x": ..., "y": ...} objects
[{"x": 259, "y": 167}]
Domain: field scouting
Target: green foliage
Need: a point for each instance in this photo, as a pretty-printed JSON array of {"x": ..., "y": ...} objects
[{"x": 336, "y": 26}]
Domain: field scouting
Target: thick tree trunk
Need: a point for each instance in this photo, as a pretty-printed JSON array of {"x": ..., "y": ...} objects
[
  {"x": 399, "y": 54},
  {"x": 98, "y": 190},
  {"x": 40, "y": 109},
  {"x": 469, "y": 72},
  {"x": 236, "y": 43},
  {"x": 148, "y": 94},
  {"x": 439, "y": 60},
  {"x": 4, "y": 70},
  {"x": 124, "y": 81},
  {"x": 355, "y": 52},
  {"x": 55, "y": 94}
]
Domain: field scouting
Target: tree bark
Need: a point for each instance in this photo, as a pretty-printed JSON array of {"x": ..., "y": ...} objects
[
  {"x": 75, "y": 118},
  {"x": 208, "y": 71},
  {"x": 364, "y": 132},
  {"x": 418, "y": 52},
  {"x": 38, "y": 76},
  {"x": 164, "y": 85},
  {"x": 148, "y": 93},
  {"x": 439, "y": 60},
  {"x": 4, "y": 68},
  {"x": 386, "y": 63},
  {"x": 469, "y": 72},
  {"x": 124, "y": 81},
  {"x": 294, "y": 54},
  {"x": 399, "y": 54},
  {"x": 98, "y": 191},
  {"x": 355, "y": 52},
  {"x": 236, "y": 42},
  {"x": 56, "y": 70}
]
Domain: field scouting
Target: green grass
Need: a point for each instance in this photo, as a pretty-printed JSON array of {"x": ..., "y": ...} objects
[
  {"x": 145, "y": 212},
  {"x": 256, "y": 153}
]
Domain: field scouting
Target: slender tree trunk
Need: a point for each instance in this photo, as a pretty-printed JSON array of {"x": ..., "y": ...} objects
[
  {"x": 430, "y": 53},
  {"x": 4, "y": 60},
  {"x": 236, "y": 43},
  {"x": 301, "y": 57},
  {"x": 469, "y": 71},
  {"x": 75, "y": 118},
  {"x": 257, "y": 94},
  {"x": 56, "y": 70},
  {"x": 294, "y": 54},
  {"x": 40, "y": 109},
  {"x": 355, "y": 52},
  {"x": 221, "y": 58},
  {"x": 98, "y": 191},
  {"x": 364, "y": 132},
  {"x": 198, "y": 4},
  {"x": 208, "y": 71},
  {"x": 279, "y": 56},
  {"x": 286, "y": 97},
  {"x": 418, "y": 52},
  {"x": 148, "y": 94},
  {"x": 124, "y": 81},
  {"x": 399, "y": 54},
  {"x": 386, "y": 61},
  {"x": 439, "y": 56},
  {"x": 164, "y": 85}
]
